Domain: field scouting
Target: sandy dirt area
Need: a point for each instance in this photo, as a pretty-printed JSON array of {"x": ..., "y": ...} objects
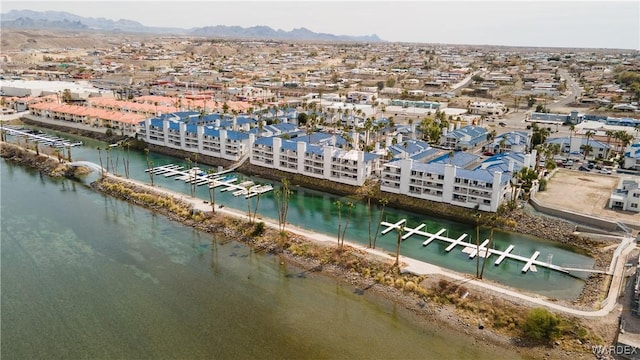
[{"x": 584, "y": 193}]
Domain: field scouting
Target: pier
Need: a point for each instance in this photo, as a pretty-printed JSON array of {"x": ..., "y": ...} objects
[
  {"x": 195, "y": 176},
  {"x": 41, "y": 138},
  {"x": 531, "y": 263}
]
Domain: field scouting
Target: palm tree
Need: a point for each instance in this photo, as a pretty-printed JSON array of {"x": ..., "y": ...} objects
[
  {"x": 589, "y": 134},
  {"x": 400, "y": 231},
  {"x": 282, "y": 196},
  {"x": 484, "y": 261},
  {"x": 149, "y": 165},
  {"x": 383, "y": 202},
  {"x": 350, "y": 206},
  {"x": 338, "y": 205},
  {"x": 100, "y": 156},
  {"x": 586, "y": 149},
  {"x": 478, "y": 216},
  {"x": 212, "y": 192}
]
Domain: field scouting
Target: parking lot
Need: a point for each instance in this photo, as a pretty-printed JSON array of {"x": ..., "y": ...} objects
[{"x": 585, "y": 193}]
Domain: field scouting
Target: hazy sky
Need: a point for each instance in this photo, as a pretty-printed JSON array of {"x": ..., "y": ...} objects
[{"x": 591, "y": 24}]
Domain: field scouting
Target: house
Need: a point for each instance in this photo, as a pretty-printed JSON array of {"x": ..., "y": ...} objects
[
  {"x": 486, "y": 108},
  {"x": 626, "y": 196},
  {"x": 632, "y": 157},
  {"x": 514, "y": 141},
  {"x": 574, "y": 145},
  {"x": 464, "y": 138}
]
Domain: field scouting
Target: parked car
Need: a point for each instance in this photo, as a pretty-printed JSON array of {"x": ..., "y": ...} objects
[
  {"x": 605, "y": 171},
  {"x": 583, "y": 168},
  {"x": 567, "y": 163}
]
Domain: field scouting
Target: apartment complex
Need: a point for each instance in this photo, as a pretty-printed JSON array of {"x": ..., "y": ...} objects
[
  {"x": 174, "y": 132},
  {"x": 328, "y": 162},
  {"x": 446, "y": 183}
]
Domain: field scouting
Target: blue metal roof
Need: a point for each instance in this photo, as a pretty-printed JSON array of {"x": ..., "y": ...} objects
[
  {"x": 266, "y": 141},
  {"x": 500, "y": 162},
  {"x": 460, "y": 159}
]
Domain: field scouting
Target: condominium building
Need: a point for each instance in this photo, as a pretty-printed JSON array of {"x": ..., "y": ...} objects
[
  {"x": 175, "y": 133},
  {"x": 446, "y": 183},
  {"x": 319, "y": 161}
]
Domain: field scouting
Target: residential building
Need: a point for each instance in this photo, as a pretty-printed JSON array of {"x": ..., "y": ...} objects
[
  {"x": 632, "y": 157},
  {"x": 446, "y": 183},
  {"x": 626, "y": 195},
  {"x": 464, "y": 138},
  {"x": 514, "y": 141},
  {"x": 328, "y": 162},
  {"x": 175, "y": 132},
  {"x": 486, "y": 108},
  {"x": 574, "y": 146}
]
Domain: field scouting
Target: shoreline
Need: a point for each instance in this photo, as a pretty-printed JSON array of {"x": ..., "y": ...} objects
[{"x": 449, "y": 314}]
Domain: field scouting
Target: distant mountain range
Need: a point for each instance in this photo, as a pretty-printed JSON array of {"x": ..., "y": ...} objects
[{"x": 60, "y": 20}]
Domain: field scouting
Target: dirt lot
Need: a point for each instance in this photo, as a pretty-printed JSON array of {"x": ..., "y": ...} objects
[{"x": 584, "y": 193}]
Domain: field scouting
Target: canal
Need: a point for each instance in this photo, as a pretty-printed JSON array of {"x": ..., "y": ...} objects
[
  {"x": 86, "y": 276},
  {"x": 316, "y": 211}
]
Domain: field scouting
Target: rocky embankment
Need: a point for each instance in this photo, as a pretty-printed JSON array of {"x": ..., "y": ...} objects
[
  {"x": 432, "y": 299},
  {"x": 45, "y": 164}
]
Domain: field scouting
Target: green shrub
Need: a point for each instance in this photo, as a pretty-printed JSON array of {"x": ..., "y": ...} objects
[
  {"x": 542, "y": 325},
  {"x": 258, "y": 229}
]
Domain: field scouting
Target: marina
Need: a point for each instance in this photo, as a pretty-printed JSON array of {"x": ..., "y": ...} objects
[
  {"x": 40, "y": 138},
  {"x": 531, "y": 263},
  {"x": 196, "y": 176}
]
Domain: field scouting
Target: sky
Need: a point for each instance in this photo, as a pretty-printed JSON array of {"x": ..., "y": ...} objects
[{"x": 545, "y": 23}]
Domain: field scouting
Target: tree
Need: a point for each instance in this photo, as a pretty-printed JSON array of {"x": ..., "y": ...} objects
[
  {"x": 282, "y": 196},
  {"x": 400, "y": 231},
  {"x": 302, "y": 119},
  {"x": 478, "y": 216},
  {"x": 539, "y": 135},
  {"x": 586, "y": 150},
  {"x": 541, "y": 325},
  {"x": 350, "y": 206},
  {"x": 212, "y": 192},
  {"x": 100, "y": 157},
  {"x": 383, "y": 202},
  {"x": 338, "y": 205},
  {"x": 149, "y": 165},
  {"x": 477, "y": 78},
  {"x": 66, "y": 96},
  {"x": 589, "y": 134},
  {"x": 484, "y": 260}
]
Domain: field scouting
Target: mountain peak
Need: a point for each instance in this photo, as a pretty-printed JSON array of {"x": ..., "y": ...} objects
[{"x": 64, "y": 20}]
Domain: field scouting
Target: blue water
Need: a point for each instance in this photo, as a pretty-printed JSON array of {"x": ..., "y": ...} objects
[
  {"x": 85, "y": 276},
  {"x": 316, "y": 211}
]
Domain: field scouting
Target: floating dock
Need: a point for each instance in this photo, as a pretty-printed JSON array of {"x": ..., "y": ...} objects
[
  {"x": 40, "y": 138},
  {"x": 196, "y": 176},
  {"x": 531, "y": 263}
]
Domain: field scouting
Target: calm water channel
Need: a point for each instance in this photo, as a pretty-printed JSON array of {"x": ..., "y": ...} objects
[
  {"x": 88, "y": 276},
  {"x": 315, "y": 210}
]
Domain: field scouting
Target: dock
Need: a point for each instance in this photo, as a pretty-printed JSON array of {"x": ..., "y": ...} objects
[
  {"x": 40, "y": 138},
  {"x": 531, "y": 263},
  {"x": 197, "y": 177}
]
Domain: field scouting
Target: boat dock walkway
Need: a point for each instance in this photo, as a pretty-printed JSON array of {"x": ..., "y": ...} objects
[
  {"x": 531, "y": 263},
  {"x": 194, "y": 176},
  {"x": 41, "y": 138}
]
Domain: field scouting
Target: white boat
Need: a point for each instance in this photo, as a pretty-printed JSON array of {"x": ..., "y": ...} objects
[{"x": 240, "y": 192}]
